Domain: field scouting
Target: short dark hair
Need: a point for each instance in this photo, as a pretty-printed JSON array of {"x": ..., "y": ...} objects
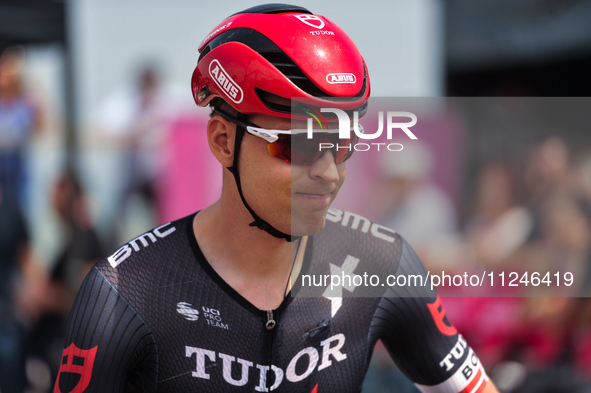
[{"x": 222, "y": 105}]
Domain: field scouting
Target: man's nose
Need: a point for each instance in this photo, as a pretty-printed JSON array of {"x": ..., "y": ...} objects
[{"x": 325, "y": 167}]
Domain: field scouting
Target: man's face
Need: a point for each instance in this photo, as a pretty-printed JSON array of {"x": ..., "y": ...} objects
[{"x": 292, "y": 198}]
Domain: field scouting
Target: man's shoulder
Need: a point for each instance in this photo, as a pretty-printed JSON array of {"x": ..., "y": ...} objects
[
  {"x": 152, "y": 250},
  {"x": 350, "y": 234},
  {"x": 369, "y": 248}
]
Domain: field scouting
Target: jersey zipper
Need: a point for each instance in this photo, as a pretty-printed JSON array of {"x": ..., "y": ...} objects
[
  {"x": 270, "y": 320},
  {"x": 270, "y": 326}
]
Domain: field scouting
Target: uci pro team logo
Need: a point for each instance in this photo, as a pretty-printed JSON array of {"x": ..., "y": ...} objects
[
  {"x": 225, "y": 82},
  {"x": 346, "y": 127}
]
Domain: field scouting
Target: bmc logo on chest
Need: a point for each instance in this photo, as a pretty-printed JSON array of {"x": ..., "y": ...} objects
[
  {"x": 331, "y": 348},
  {"x": 353, "y": 221}
]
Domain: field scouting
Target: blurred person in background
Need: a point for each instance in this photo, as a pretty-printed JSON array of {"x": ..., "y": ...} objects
[
  {"x": 547, "y": 172},
  {"x": 553, "y": 339},
  {"x": 582, "y": 176},
  {"x": 411, "y": 202},
  {"x": 82, "y": 246},
  {"x": 498, "y": 223},
  {"x": 543, "y": 344},
  {"x": 134, "y": 120},
  {"x": 14, "y": 253},
  {"x": 496, "y": 227},
  {"x": 20, "y": 118},
  {"x": 46, "y": 297},
  {"x": 566, "y": 239}
]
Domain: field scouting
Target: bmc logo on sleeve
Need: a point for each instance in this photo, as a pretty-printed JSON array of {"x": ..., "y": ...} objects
[
  {"x": 125, "y": 252},
  {"x": 225, "y": 82},
  {"x": 75, "y": 361}
]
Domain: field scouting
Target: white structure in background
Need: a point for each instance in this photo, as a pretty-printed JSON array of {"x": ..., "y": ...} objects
[{"x": 401, "y": 41}]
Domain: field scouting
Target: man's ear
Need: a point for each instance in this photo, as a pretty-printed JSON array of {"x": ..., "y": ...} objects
[{"x": 220, "y": 136}]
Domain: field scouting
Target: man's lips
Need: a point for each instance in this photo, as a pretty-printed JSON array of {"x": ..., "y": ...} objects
[
  {"x": 313, "y": 195},
  {"x": 323, "y": 196}
]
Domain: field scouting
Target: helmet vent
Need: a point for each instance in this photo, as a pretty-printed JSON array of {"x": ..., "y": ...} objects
[
  {"x": 274, "y": 8},
  {"x": 274, "y": 55},
  {"x": 288, "y": 68}
]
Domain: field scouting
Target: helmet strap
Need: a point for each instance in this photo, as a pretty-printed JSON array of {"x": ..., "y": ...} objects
[{"x": 258, "y": 222}]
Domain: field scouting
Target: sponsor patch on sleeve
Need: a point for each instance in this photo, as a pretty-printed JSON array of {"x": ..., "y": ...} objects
[
  {"x": 470, "y": 377},
  {"x": 75, "y": 361}
]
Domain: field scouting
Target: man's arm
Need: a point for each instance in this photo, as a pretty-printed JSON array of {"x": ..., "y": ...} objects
[
  {"x": 108, "y": 346},
  {"x": 413, "y": 325},
  {"x": 490, "y": 388}
]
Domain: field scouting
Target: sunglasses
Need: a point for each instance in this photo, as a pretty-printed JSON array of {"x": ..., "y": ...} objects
[{"x": 295, "y": 147}]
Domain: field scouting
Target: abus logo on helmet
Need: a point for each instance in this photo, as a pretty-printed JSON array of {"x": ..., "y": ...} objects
[
  {"x": 341, "y": 77},
  {"x": 225, "y": 82},
  {"x": 311, "y": 20},
  {"x": 345, "y": 129}
]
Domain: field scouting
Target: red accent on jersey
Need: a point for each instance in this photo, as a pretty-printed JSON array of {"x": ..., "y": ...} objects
[
  {"x": 438, "y": 313},
  {"x": 477, "y": 378},
  {"x": 315, "y": 390},
  {"x": 85, "y": 370}
]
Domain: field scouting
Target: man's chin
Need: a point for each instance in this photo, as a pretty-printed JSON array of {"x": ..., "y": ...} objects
[{"x": 308, "y": 226}]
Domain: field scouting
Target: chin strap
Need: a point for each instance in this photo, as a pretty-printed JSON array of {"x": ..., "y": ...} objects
[{"x": 258, "y": 222}]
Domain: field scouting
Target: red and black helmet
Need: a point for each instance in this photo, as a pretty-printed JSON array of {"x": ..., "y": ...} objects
[{"x": 284, "y": 50}]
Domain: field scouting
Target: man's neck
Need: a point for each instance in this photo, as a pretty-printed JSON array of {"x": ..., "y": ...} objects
[{"x": 256, "y": 264}]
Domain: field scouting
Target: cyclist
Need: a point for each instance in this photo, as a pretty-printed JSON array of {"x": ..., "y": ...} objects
[{"x": 203, "y": 303}]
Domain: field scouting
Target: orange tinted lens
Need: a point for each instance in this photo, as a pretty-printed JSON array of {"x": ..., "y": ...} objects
[
  {"x": 300, "y": 150},
  {"x": 297, "y": 149},
  {"x": 281, "y": 148},
  {"x": 346, "y": 148}
]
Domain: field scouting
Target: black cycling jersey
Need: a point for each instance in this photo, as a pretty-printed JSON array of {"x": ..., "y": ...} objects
[{"x": 156, "y": 317}]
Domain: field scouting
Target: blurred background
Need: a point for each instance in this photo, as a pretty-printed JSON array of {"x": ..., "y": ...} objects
[{"x": 100, "y": 140}]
